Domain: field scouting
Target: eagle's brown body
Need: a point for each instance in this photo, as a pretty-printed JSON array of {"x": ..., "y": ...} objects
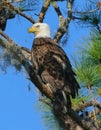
[{"x": 54, "y": 68}]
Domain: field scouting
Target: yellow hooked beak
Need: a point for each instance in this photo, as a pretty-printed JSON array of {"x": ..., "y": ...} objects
[{"x": 33, "y": 30}]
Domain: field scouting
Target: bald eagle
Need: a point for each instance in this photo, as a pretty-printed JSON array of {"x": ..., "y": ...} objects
[{"x": 52, "y": 65}]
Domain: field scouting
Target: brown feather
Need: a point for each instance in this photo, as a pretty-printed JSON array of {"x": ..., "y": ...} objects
[{"x": 54, "y": 68}]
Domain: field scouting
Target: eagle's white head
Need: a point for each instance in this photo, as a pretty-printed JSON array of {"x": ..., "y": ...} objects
[{"x": 41, "y": 30}]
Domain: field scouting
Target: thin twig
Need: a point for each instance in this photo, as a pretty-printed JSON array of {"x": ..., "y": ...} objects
[{"x": 87, "y": 12}]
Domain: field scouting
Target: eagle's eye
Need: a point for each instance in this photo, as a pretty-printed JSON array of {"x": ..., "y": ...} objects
[{"x": 37, "y": 26}]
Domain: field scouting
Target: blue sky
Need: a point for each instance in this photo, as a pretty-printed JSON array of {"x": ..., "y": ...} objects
[{"x": 18, "y": 106}]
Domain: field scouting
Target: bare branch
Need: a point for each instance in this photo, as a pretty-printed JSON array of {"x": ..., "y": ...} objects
[
  {"x": 61, "y": 30},
  {"x": 26, "y": 52},
  {"x": 97, "y": 112},
  {"x": 21, "y": 13},
  {"x": 70, "y": 5},
  {"x": 43, "y": 10},
  {"x": 5, "y": 36},
  {"x": 63, "y": 23},
  {"x": 57, "y": 9},
  {"x": 88, "y": 104}
]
